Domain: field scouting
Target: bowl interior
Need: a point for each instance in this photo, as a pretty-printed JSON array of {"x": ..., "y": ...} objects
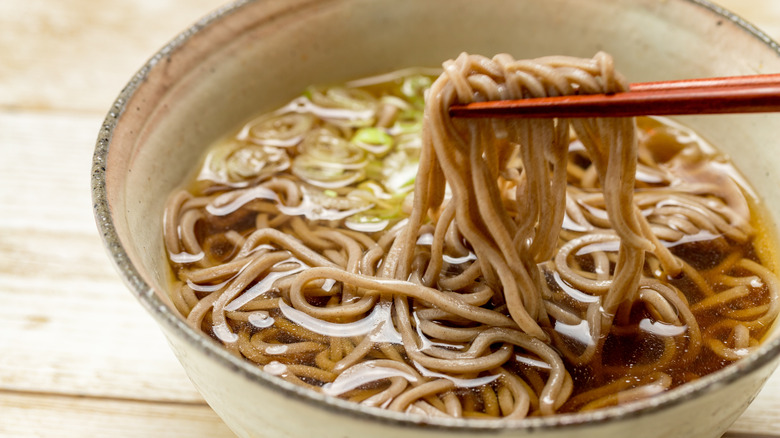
[{"x": 255, "y": 56}]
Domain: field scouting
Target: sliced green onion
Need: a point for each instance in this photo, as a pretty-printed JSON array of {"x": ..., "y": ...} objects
[
  {"x": 282, "y": 130},
  {"x": 396, "y": 102},
  {"x": 408, "y": 122},
  {"x": 331, "y": 200},
  {"x": 353, "y": 99},
  {"x": 235, "y": 161},
  {"x": 414, "y": 87},
  {"x": 374, "y": 140},
  {"x": 373, "y": 189},
  {"x": 324, "y": 174},
  {"x": 399, "y": 171},
  {"x": 327, "y": 145},
  {"x": 410, "y": 143},
  {"x": 345, "y": 106}
]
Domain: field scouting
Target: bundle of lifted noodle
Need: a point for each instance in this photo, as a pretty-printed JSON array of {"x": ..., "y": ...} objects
[
  {"x": 472, "y": 304},
  {"x": 509, "y": 210}
]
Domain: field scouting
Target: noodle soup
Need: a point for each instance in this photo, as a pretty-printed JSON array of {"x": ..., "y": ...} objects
[{"x": 498, "y": 281}]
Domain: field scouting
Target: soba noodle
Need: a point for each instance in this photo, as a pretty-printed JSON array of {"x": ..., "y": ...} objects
[{"x": 355, "y": 244}]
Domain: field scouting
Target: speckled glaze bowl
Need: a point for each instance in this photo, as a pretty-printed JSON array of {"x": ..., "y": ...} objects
[{"x": 252, "y": 56}]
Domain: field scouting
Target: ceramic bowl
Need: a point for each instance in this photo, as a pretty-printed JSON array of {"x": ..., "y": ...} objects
[{"x": 252, "y": 56}]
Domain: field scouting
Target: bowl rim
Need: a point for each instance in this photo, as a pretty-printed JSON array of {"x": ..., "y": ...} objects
[{"x": 166, "y": 316}]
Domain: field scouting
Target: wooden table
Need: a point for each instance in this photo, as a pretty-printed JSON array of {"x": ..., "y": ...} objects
[{"x": 78, "y": 355}]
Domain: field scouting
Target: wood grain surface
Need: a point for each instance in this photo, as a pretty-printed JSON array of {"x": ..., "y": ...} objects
[{"x": 79, "y": 357}]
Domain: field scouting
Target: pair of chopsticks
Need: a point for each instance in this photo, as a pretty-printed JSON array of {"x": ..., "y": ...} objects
[{"x": 736, "y": 94}]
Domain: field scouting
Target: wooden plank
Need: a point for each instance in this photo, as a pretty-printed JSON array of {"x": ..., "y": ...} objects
[
  {"x": 85, "y": 338},
  {"x": 36, "y": 415},
  {"x": 45, "y": 164},
  {"x": 68, "y": 324},
  {"x": 78, "y": 54},
  {"x": 761, "y": 417}
]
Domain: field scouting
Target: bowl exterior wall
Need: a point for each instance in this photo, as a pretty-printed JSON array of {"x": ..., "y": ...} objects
[{"x": 256, "y": 411}]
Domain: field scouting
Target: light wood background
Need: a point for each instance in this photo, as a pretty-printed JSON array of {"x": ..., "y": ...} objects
[{"x": 78, "y": 355}]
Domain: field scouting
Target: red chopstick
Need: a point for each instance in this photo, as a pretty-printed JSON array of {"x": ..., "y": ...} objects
[{"x": 737, "y": 94}]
